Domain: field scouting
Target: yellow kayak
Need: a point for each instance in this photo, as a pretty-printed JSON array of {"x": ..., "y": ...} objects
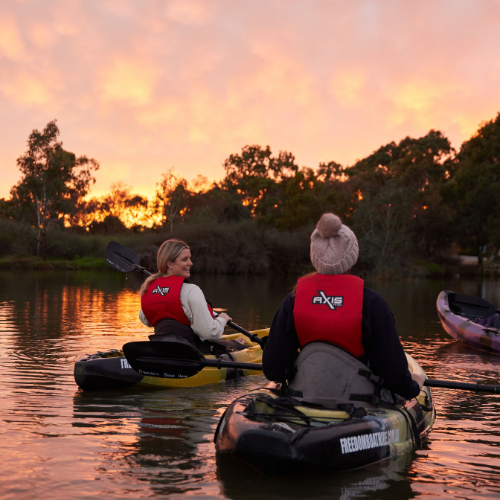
[{"x": 111, "y": 370}]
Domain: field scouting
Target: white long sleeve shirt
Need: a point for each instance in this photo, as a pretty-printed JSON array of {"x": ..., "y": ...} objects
[{"x": 195, "y": 308}]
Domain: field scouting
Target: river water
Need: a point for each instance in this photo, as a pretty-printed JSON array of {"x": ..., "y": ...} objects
[{"x": 58, "y": 442}]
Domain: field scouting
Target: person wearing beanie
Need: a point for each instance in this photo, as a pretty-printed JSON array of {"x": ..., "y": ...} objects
[{"x": 350, "y": 352}]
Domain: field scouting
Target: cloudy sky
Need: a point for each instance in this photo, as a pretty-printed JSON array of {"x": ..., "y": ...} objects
[{"x": 144, "y": 85}]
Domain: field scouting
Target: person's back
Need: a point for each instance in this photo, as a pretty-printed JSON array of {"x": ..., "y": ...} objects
[{"x": 349, "y": 348}]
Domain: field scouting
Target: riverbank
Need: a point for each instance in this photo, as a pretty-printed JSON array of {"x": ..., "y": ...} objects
[
  {"x": 38, "y": 264},
  {"x": 418, "y": 270},
  {"x": 238, "y": 248}
]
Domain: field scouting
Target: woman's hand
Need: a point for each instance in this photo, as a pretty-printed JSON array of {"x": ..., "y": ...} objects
[
  {"x": 419, "y": 378},
  {"x": 225, "y": 316}
]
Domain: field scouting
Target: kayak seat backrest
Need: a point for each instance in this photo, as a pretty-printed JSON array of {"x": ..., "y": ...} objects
[
  {"x": 470, "y": 307},
  {"x": 491, "y": 322},
  {"x": 327, "y": 374}
]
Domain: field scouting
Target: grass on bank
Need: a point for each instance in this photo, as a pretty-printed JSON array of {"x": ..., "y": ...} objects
[{"x": 53, "y": 264}]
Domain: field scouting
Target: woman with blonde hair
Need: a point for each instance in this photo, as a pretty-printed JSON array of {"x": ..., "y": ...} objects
[{"x": 178, "y": 310}]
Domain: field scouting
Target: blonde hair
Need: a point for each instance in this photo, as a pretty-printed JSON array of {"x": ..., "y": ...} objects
[{"x": 168, "y": 252}]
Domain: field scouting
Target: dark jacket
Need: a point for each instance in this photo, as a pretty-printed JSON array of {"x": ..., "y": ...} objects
[{"x": 380, "y": 341}]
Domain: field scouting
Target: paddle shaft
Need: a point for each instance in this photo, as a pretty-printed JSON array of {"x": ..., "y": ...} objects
[
  {"x": 141, "y": 270},
  {"x": 218, "y": 363},
  {"x": 180, "y": 360},
  {"x": 445, "y": 384},
  {"x": 252, "y": 336},
  {"x": 449, "y": 384}
]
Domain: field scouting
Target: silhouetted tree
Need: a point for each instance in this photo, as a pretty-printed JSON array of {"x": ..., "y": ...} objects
[
  {"x": 259, "y": 178},
  {"x": 397, "y": 206},
  {"x": 53, "y": 182},
  {"x": 474, "y": 192},
  {"x": 172, "y": 197}
]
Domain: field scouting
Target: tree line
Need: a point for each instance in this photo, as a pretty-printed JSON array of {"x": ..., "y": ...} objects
[{"x": 416, "y": 199}]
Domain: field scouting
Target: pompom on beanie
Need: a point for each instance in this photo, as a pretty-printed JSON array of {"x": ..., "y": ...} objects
[{"x": 334, "y": 247}]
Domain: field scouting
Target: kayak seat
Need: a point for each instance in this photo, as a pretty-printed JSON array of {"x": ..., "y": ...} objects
[
  {"x": 491, "y": 322},
  {"x": 330, "y": 376}
]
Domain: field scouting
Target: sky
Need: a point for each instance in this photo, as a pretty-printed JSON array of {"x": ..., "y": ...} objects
[{"x": 145, "y": 85}]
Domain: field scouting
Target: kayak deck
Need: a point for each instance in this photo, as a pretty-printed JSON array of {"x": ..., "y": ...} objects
[
  {"x": 111, "y": 370},
  {"x": 465, "y": 329},
  {"x": 279, "y": 434}
]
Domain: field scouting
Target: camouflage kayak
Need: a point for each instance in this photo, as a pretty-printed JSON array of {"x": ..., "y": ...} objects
[
  {"x": 465, "y": 328},
  {"x": 279, "y": 434}
]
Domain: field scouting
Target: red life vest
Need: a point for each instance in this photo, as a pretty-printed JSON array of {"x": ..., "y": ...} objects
[
  {"x": 330, "y": 308},
  {"x": 162, "y": 300}
]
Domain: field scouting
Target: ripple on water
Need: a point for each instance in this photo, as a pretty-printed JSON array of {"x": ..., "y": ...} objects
[{"x": 60, "y": 442}]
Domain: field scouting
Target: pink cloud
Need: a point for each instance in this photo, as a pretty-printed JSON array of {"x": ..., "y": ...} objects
[{"x": 143, "y": 86}]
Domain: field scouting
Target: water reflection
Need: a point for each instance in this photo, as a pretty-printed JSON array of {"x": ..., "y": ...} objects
[
  {"x": 386, "y": 479},
  {"x": 159, "y": 440},
  {"x": 62, "y": 443}
]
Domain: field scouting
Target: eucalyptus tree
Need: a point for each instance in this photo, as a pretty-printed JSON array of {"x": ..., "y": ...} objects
[
  {"x": 398, "y": 210},
  {"x": 474, "y": 192},
  {"x": 53, "y": 182}
]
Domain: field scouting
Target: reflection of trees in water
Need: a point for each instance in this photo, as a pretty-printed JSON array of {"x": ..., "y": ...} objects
[
  {"x": 386, "y": 479},
  {"x": 464, "y": 441},
  {"x": 153, "y": 440},
  {"x": 461, "y": 363},
  {"x": 56, "y": 305},
  {"x": 134, "y": 438},
  {"x": 161, "y": 442},
  {"x": 449, "y": 359}
]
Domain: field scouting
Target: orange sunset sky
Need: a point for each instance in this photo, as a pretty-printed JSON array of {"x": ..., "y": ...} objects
[{"x": 144, "y": 85}]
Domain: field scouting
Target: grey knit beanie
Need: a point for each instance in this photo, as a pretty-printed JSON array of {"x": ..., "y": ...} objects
[{"x": 334, "y": 247}]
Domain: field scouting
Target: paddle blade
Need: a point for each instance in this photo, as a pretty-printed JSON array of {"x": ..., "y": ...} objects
[
  {"x": 164, "y": 359},
  {"x": 470, "y": 307},
  {"x": 121, "y": 258}
]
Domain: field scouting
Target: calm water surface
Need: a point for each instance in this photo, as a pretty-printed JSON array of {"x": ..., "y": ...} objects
[{"x": 58, "y": 442}]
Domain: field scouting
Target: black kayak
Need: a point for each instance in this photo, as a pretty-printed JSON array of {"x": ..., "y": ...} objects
[
  {"x": 278, "y": 434},
  {"x": 111, "y": 370}
]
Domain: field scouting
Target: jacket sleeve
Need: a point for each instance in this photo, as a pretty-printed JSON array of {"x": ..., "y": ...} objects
[
  {"x": 282, "y": 345},
  {"x": 195, "y": 308},
  {"x": 144, "y": 319},
  {"x": 383, "y": 347}
]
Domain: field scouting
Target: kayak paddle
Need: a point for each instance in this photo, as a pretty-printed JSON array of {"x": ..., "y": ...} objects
[
  {"x": 125, "y": 260},
  {"x": 449, "y": 384},
  {"x": 173, "y": 359},
  {"x": 176, "y": 360},
  {"x": 470, "y": 307}
]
